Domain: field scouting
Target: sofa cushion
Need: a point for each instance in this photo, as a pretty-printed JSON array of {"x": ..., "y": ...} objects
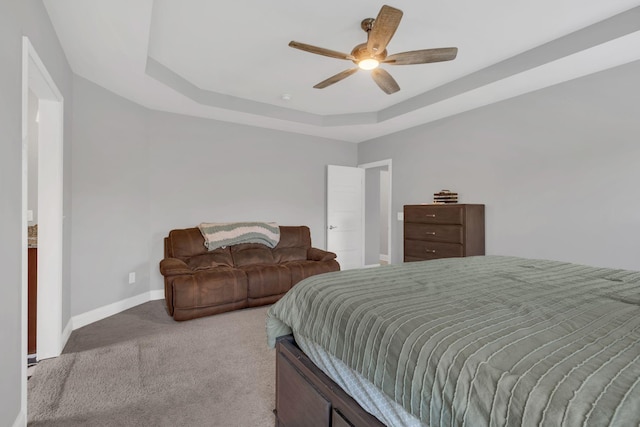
[
  {"x": 210, "y": 259},
  {"x": 303, "y": 269},
  {"x": 185, "y": 243},
  {"x": 221, "y": 285},
  {"x": 267, "y": 280},
  {"x": 294, "y": 237},
  {"x": 315, "y": 254},
  {"x": 293, "y": 245},
  {"x": 174, "y": 267},
  {"x": 289, "y": 254},
  {"x": 251, "y": 254}
]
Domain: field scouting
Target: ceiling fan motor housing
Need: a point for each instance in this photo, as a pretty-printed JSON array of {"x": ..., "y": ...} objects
[{"x": 361, "y": 52}]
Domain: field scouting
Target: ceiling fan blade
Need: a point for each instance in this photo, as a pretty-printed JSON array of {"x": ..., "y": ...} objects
[
  {"x": 335, "y": 79},
  {"x": 385, "y": 81},
  {"x": 384, "y": 27},
  {"x": 320, "y": 50},
  {"x": 422, "y": 56}
]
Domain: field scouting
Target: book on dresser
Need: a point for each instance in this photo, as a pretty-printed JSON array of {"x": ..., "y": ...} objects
[{"x": 443, "y": 231}]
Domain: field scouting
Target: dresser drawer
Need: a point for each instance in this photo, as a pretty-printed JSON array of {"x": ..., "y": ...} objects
[
  {"x": 434, "y": 214},
  {"x": 422, "y": 250},
  {"x": 434, "y": 232}
]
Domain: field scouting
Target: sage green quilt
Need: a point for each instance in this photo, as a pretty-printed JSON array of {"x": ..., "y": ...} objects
[{"x": 491, "y": 340}]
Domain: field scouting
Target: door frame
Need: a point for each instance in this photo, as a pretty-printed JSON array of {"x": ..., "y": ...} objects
[
  {"x": 378, "y": 164},
  {"x": 36, "y": 78}
]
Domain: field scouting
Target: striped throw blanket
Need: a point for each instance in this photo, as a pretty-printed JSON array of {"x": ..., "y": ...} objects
[{"x": 221, "y": 234}]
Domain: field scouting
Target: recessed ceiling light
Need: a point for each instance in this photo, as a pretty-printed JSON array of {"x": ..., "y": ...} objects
[{"x": 286, "y": 97}]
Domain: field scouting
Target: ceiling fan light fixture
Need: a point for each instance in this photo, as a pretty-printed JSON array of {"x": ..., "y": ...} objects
[
  {"x": 367, "y": 56},
  {"x": 368, "y": 64}
]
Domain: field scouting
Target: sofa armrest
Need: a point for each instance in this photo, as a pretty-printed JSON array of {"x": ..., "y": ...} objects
[
  {"x": 174, "y": 267},
  {"x": 315, "y": 254}
]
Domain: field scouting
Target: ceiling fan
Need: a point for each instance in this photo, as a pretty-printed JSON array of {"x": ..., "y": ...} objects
[{"x": 374, "y": 52}]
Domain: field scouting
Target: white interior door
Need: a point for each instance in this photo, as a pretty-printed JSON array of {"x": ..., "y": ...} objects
[{"x": 345, "y": 225}]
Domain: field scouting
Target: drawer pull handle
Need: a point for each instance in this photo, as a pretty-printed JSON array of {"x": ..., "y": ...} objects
[
  {"x": 431, "y": 233},
  {"x": 431, "y": 251},
  {"x": 430, "y": 215}
]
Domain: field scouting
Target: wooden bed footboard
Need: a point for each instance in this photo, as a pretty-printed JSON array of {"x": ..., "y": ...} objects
[{"x": 306, "y": 396}]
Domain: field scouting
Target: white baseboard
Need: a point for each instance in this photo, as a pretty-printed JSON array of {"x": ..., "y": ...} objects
[
  {"x": 21, "y": 420},
  {"x": 109, "y": 310},
  {"x": 66, "y": 333},
  {"x": 157, "y": 294}
]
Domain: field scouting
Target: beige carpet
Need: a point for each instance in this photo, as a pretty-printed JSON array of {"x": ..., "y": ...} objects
[{"x": 141, "y": 368}]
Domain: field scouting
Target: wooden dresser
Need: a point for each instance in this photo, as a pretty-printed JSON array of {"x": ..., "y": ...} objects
[{"x": 443, "y": 231}]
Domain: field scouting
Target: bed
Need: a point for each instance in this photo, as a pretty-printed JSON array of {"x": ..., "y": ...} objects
[{"x": 487, "y": 340}]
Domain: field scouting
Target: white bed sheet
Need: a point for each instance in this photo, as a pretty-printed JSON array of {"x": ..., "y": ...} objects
[{"x": 363, "y": 391}]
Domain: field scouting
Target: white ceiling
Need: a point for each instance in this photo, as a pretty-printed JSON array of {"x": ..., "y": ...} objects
[{"x": 230, "y": 60}]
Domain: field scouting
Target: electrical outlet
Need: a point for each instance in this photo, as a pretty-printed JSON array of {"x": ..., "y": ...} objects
[{"x": 132, "y": 278}]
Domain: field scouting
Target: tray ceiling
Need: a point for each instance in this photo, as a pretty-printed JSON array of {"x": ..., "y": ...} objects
[{"x": 230, "y": 60}]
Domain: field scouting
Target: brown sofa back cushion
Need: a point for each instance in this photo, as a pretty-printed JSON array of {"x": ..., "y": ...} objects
[
  {"x": 185, "y": 243},
  {"x": 210, "y": 259},
  {"x": 251, "y": 254},
  {"x": 188, "y": 244},
  {"x": 293, "y": 245}
]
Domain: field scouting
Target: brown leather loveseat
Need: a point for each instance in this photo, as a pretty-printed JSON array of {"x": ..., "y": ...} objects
[{"x": 199, "y": 282}]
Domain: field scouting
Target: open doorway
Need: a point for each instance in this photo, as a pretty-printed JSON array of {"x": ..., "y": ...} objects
[
  {"x": 359, "y": 214},
  {"x": 41, "y": 95},
  {"x": 377, "y": 217}
]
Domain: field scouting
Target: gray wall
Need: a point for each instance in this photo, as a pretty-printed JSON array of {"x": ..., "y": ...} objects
[
  {"x": 18, "y": 18},
  {"x": 110, "y": 198},
  {"x": 208, "y": 171},
  {"x": 138, "y": 173},
  {"x": 557, "y": 169},
  {"x": 10, "y": 208}
]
